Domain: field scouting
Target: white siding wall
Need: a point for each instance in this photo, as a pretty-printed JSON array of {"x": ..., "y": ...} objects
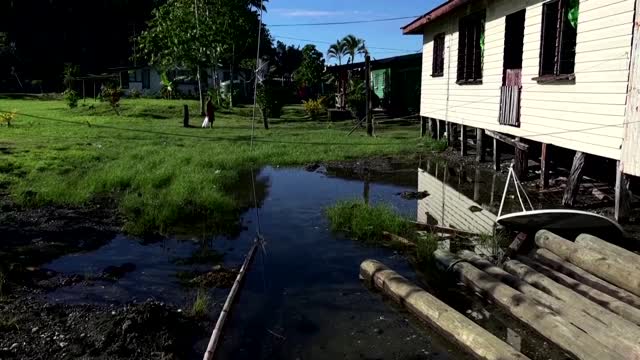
[{"x": 586, "y": 116}]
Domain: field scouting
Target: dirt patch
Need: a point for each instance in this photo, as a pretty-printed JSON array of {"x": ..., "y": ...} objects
[
  {"x": 31, "y": 329},
  {"x": 219, "y": 277}
]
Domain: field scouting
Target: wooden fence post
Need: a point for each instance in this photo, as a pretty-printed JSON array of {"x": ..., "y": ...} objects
[
  {"x": 544, "y": 166},
  {"x": 521, "y": 161},
  {"x": 463, "y": 140},
  {"x": 623, "y": 198},
  {"x": 573, "y": 183},
  {"x": 496, "y": 155},
  {"x": 367, "y": 61},
  {"x": 479, "y": 145},
  {"x": 185, "y": 121}
]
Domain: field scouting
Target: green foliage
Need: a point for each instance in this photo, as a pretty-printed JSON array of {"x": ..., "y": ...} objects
[
  {"x": 221, "y": 102},
  {"x": 167, "y": 87},
  {"x": 434, "y": 145},
  {"x": 337, "y": 51},
  {"x": 155, "y": 170},
  {"x": 200, "y": 306},
  {"x": 69, "y": 74},
  {"x": 357, "y": 98},
  {"x": 367, "y": 223},
  {"x": 271, "y": 99},
  {"x": 354, "y": 46},
  {"x": 574, "y": 12},
  {"x": 71, "y": 97},
  {"x": 315, "y": 108},
  {"x": 112, "y": 94},
  {"x": 426, "y": 245},
  {"x": 135, "y": 94},
  {"x": 8, "y": 117},
  {"x": 312, "y": 67}
]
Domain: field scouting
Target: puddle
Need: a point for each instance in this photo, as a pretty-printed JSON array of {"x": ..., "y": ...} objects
[{"x": 302, "y": 298}]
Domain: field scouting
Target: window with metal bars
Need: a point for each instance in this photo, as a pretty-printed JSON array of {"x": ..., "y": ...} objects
[
  {"x": 471, "y": 49},
  {"x": 558, "y": 42},
  {"x": 437, "y": 67}
]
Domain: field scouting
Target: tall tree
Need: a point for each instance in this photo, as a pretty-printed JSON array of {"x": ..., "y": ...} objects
[
  {"x": 337, "y": 51},
  {"x": 287, "y": 59},
  {"x": 354, "y": 46},
  {"x": 311, "y": 69}
]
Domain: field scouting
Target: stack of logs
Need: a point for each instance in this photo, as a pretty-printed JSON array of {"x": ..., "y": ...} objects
[{"x": 583, "y": 296}]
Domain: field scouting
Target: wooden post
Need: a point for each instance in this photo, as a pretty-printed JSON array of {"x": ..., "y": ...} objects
[
  {"x": 521, "y": 161},
  {"x": 185, "y": 121},
  {"x": 542, "y": 319},
  {"x": 449, "y": 133},
  {"x": 423, "y": 126},
  {"x": 623, "y": 196},
  {"x": 455, "y": 326},
  {"x": 544, "y": 167},
  {"x": 573, "y": 183},
  {"x": 367, "y": 61},
  {"x": 476, "y": 186},
  {"x": 496, "y": 155},
  {"x": 479, "y": 145},
  {"x": 631, "y": 142},
  {"x": 463, "y": 140},
  {"x": 437, "y": 129},
  {"x": 84, "y": 93},
  {"x": 433, "y": 127},
  {"x": 591, "y": 261}
]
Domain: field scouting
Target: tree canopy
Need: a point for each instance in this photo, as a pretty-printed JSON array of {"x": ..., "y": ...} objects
[{"x": 312, "y": 67}]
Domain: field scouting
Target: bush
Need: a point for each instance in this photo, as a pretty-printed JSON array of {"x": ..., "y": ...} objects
[
  {"x": 315, "y": 108},
  {"x": 71, "y": 97},
  {"x": 135, "y": 94},
  {"x": 8, "y": 117},
  {"x": 112, "y": 95},
  {"x": 271, "y": 100},
  {"x": 367, "y": 223}
]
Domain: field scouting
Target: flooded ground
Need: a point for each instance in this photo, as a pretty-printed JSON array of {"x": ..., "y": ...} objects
[{"x": 302, "y": 298}]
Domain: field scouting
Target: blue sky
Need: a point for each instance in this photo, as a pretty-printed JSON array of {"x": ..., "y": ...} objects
[{"x": 381, "y": 35}]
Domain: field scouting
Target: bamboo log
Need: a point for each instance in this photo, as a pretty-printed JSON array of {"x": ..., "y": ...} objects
[
  {"x": 398, "y": 239},
  {"x": 623, "y": 256},
  {"x": 624, "y": 343},
  {"x": 449, "y": 322},
  {"x": 217, "y": 331},
  {"x": 612, "y": 271},
  {"x": 553, "y": 261},
  {"x": 616, "y": 306},
  {"x": 545, "y": 321}
]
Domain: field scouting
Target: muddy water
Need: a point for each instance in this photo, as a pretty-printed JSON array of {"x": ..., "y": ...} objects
[{"x": 302, "y": 298}]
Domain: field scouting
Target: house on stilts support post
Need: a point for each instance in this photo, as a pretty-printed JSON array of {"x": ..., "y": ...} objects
[{"x": 544, "y": 77}]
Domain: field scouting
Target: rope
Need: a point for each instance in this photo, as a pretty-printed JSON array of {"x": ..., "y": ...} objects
[{"x": 504, "y": 194}]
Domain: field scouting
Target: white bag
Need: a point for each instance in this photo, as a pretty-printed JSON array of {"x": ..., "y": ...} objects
[{"x": 206, "y": 123}]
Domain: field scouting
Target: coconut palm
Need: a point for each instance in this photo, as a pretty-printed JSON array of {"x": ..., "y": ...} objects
[
  {"x": 354, "y": 46},
  {"x": 337, "y": 51}
]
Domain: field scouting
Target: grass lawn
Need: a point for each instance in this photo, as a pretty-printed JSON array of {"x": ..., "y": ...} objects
[{"x": 161, "y": 173}]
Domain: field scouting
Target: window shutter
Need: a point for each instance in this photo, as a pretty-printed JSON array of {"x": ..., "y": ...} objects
[
  {"x": 549, "y": 38},
  {"x": 567, "y": 43},
  {"x": 462, "y": 46}
]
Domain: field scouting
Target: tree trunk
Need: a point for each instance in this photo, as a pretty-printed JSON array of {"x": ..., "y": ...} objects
[
  {"x": 616, "y": 306},
  {"x": 573, "y": 183},
  {"x": 231, "y": 84},
  {"x": 618, "y": 338},
  {"x": 202, "y": 113},
  {"x": 265, "y": 119},
  {"x": 591, "y": 261},
  {"x": 455, "y": 326},
  {"x": 542, "y": 319},
  {"x": 556, "y": 263}
]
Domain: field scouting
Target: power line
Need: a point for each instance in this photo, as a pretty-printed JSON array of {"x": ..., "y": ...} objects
[
  {"x": 346, "y": 22},
  {"x": 331, "y": 42}
]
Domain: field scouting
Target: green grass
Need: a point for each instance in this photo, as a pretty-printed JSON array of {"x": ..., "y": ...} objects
[
  {"x": 200, "y": 306},
  {"x": 367, "y": 223},
  {"x": 162, "y": 174},
  {"x": 426, "y": 245}
]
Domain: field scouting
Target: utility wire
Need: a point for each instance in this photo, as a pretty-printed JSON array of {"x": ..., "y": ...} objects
[
  {"x": 346, "y": 22},
  {"x": 331, "y": 42}
]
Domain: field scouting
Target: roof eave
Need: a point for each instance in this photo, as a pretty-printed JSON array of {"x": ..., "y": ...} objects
[{"x": 416, "y": 27}]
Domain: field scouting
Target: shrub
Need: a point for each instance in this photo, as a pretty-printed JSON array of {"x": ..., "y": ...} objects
[
  {"x": 71, "y": 97},
  {"x": 314, "y": 108},
  {"x": 220, "y": 101},
  {"x": 272, "y": 98},
  {"x": 135, "y": 94},
  {"x": 367, "y": 223},
  {"x": 112, "y": 95},
  {"x": 425, "y": 247},
  {"x": 201, "y": 304},
  {"x": 8, "y": 117}
]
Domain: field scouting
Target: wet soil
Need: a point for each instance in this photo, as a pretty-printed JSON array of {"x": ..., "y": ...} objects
[{"x": 33, "y": 329}]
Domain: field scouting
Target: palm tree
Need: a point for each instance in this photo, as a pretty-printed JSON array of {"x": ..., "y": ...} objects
[
  {"x": 337, "y": 51},
  {"x": 256, "y": 4},
  {"x": 354, "y": 46}
]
